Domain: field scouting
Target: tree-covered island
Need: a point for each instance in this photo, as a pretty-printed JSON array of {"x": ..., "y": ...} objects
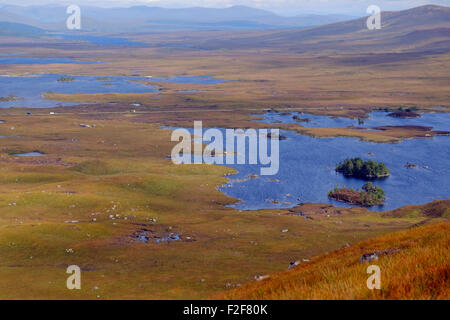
[
  {"x": 358, "y": 168},
  {"x": 369, "y": 196}
]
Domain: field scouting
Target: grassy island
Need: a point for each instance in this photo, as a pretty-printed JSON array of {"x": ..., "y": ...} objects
[
  {"x": 297, "y": 118},
  {"x": 369, "y": 196},
  {"x": 66, "y": 79},
  {"x": 359, "y": 168},
  {"x": 11, "y": 97},
  {"x": 404, "y": 114}
]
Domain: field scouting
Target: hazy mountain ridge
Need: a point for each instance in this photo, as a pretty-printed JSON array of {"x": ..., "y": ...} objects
[
  {"x": 423, "y": 28},
  {"x": 144, "y": 18},
  {"x": 399, "y": 29}
]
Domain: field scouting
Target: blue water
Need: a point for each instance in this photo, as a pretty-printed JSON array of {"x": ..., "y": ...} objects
[
  {"x": 103, "y": 40},
  {"x": 307, "y": 169},
  {"x": 376, "y": 119},
  {"x": 307, "y": 172},
  {"x": 28, "y": 60},
  {"x": 172, "y": 237},
  {"x": 29, "y": 89},
  {"x": 30, "y": 154}
]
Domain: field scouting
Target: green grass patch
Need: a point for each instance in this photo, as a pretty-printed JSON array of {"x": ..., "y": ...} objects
[
  {"x": 32, "y": 178},
  {"x": 95, "y": 168},
  {"x": 153, "y": 186}
]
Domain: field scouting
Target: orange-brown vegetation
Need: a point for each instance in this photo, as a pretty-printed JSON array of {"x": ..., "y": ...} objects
[{"x": 416, "y": 266}]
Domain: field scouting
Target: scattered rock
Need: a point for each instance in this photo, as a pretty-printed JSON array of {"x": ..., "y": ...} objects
[
  {"x": 374, "y": 256},
  {"x": 276, "y": 136},
  {"x": 301, "y": 214},
  {"x": 297, "y": 118},
  {"x": 410, "y": 165},
  {"x": 293, "y": 264},
  {"x": 368, "y": 257},
  {"x": 260, "y": 278}
]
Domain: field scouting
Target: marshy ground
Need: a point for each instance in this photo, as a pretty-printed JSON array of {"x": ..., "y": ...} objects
[
  {"x": 104, "y": 181},
  {"x": 98, "y": 189}
]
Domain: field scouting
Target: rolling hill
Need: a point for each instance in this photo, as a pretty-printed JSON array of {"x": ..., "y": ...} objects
[
  {"x": 10, "y": 29},
  {"x": 417, "y": 28}
]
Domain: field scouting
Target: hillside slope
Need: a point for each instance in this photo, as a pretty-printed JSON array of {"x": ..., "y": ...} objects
[
  {"x": 19, "y": 30},
  {"x": 415, "y": 264},
  {"x": 408, "y": 29}
]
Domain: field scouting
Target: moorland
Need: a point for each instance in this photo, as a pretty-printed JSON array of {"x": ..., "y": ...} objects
[{"x": 104, "y": 183}]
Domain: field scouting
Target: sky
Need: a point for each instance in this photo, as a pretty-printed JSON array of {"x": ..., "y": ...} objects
[{"x": 282, "y": 7}]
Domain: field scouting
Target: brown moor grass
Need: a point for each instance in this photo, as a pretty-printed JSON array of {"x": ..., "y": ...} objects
[{"x": 420, "y": 269}]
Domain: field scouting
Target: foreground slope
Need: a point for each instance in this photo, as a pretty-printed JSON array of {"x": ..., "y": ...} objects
[{"x": 415, "y": 264}]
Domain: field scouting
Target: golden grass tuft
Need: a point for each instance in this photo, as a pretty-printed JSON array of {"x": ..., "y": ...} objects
[{"x": 420, "y": 269}]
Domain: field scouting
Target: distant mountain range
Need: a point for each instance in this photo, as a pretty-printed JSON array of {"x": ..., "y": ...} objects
[
  {"x": 422, "y": 28},
  {"x": 145, "y": 19}
]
